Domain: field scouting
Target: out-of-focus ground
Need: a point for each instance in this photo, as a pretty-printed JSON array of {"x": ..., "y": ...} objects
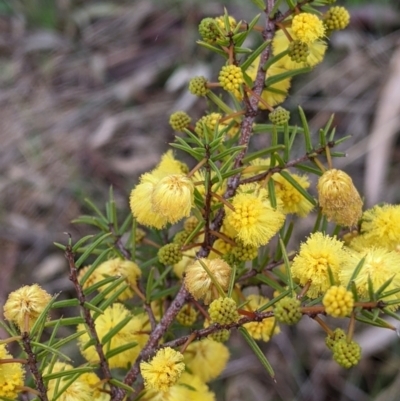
[{"x": 86, "y": 90}]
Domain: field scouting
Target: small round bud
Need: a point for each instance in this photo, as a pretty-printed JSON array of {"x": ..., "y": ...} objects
[
  {"x": 198, "y": 86},
  {"x": 187, "y": 316},
  {"x": 287, "y": 310},
  {"x": 221, "y": 22},
  {"x": 221, "y": 336},
  {"x": 338, "y": 301},
  {"x": 244, "y": 252},
  {"x": 346, "y": 354},
  {"x": 223, "y": 311},
  {"x": 180, "y": 238},
  {"x": 298, "y": 51},
  {"x": 230, "y": 78},
  {"x": 179, "y": 120},
  {"x": 336, "y": 18},
  {"x": 190, "y": 224},
  {"x": 209, "y": 121},
  {"x": 279, "y": 116},
  {"x": 208, "y": 30},
  {"x": 170, "y": 254},
  {"x": 337, "y": 335}
]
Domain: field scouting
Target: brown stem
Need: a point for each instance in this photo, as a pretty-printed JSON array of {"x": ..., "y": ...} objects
[{"x": 323, "y": 325}]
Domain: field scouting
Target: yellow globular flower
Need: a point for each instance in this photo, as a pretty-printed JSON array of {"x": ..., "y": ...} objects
[
  {"x": 199, "y": 178},
  {"x": 132, "y": 332},
  {"x": 23, "y": 306},
  {"x": 206, "y": 358},
  {"x": 119, "y": 268},
  {"x": 100, "y": 391},
  {"x": 316, "y": 51},
  {"x": 221, "y": 22},
  {"x": 380, "y": 265},
  {"x": 164, "y": 369},
  {"x": 140, "y": 205},
  {"x": 307, "y": 28},
  {"x": 338, "y": 301},
  {"x": 222, "y": 247},
  {"x": 316, "y": 256},
  {"x": 78, "y": 390},
  {"x": 380, "y": 226},
  {"x": 230, "y": 78},
  {"x": 169, "y": 165},
  {"x": 253, "y": 218},
  {"x": 339, "y": 198},
  {"x": 265, "y": 329},
  {"x": 336, "y": 18},
  {"x": 276, "y": 93},
  {"x": 11, "y": 376},
  {"x": 172, "y": 197},
  {"x": 189, "y": 387},
  {"x": 199, "y": 283},
  {"x": 209, "y": 121},
  {"x": 292, "y": 200}
]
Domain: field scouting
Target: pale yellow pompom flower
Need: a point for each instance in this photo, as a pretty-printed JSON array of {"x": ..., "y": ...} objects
[
  {"x": 339, "y": 198},
  {"x": 78, "y": 390},
  {"x": 253, "y": 218},
  {"x": 206, "y": 358},
  {"x": 188, "y": 388},
  {"x": 172, "y": 197},
  {"x": 163, "y": 370},
  {"x": 11, "y": 376},
  {"x": 292, "y": 200},
  {"x": 169, "y": 165},
  {"x": 265, "y": 329},
  {"x": 199, "y": 283},
  {"x": 141, "y": 206},
  {"x": 381, "y": 226},
  {"x": 24, "y": 306},
  {"x": 317, "y": 255},
  {"x": 133, "y": 332},
  {"x": 307, "y": 28},
  {"x": 119, "y": 268},
  {"x": 379, "y": 266},
  {"x": 280, "y": 43}
]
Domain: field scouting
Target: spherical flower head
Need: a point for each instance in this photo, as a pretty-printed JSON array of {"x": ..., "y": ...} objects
[
  {"x": 198, "y": 86},
  {"x": 173, "y": 198},
  {"x": 380, "y": 265},
  {"x": 254, "y": 219},
  {"x": 288, "y": 311},
  {"x": 223, "y": 310},
  {"x": 119, "y": 268},
  {"x": 298, "y": 51},
  {"x": 307, "y": 28},
  {"x": 336, "y": 18},
  {"x": 317, "y": 255},
  {"x": 208, "y": 30},
  {"x": 132, "y": 332},
  {"x": 164, "y": 369},
  {"x": 187, "y": 316},
  {"x": 206, "y": 125},
  {"x": 179, "y": 120},
  {"x": 170, "y": 254},
  {"x": 11, "y": 376},
  {"x": 169, "y": 165},
  {"x": 346, "y": 354},
  {"x": 265, "y": 329},
  {"x": 292, "y": 200},
  {"x": 243, "y": 252},
  {"x": 221, "y": 22},
  {"x": 206, "y": 359},
  {"x": 380, "y": 226},
  {"x": 339, "y": 198},
  {"x": 199, "y": 179},
  {"x": 100, "y": 391},
  {"x": 78, "y": 390},
  {"x": 338, "y": 301},
  {"x": 279, "y": 116},
  {"x": 231, "y": 77},
  {"x": 337, "y": 335},
  {"x": 24, "y": 306},
  {"x": 190, "y": 224},
  {"x": 316, "y": 51},
  {"x": 199, "y": 283},
  {"x": 141, "y": 207},
  {"x": 189, "y": 387}
]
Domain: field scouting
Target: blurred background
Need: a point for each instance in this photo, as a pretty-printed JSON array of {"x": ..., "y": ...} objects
[{"x": 86, "y": 90}]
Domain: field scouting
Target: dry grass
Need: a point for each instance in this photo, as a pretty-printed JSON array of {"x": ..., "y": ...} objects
[{"x": 86, "y": 106}]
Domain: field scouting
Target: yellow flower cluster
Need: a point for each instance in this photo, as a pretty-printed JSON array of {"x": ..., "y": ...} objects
[
  {"x": 11, "y": 376},
  {"x": 230, "y": 78},
  {"x": 164, "y": 195},
  {"x": 338, "y": 301}
]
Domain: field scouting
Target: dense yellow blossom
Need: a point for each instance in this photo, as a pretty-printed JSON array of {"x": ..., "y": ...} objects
[
  {"x": 317, "y": 255},
  {"x": 292, "y": 200},
  {"x": 23, "y": 306},
  {"x": 307, "y": 28},
  {"x": 100, "y": 391},
  {"x": 169, "y": 165},
  {"x": 206, "y": 358},
  {"x": 133, "y": 331},
  {"x": 199, "y": 283},
  {"x": 163, "y": 370},
  {"x": 338, "y": 301},
  {"x": 265, "y": 329},
  {"x": 11, "y": 375},
  {"x": 118, "y": 268},
  {"x": 379, "y": 266}
]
